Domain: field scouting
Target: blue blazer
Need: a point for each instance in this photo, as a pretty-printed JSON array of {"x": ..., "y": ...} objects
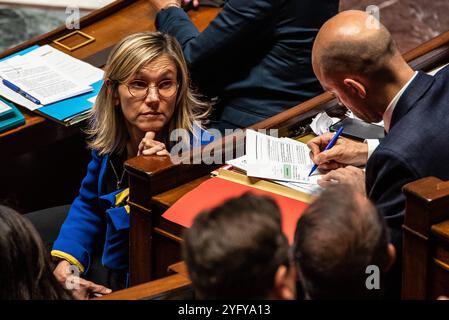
[
  {"x": 255, "y": 55},
  {"x": 416, "y": 146},
  {"x": 99, "y": 218},
  {"x": 88, "y": 217}
]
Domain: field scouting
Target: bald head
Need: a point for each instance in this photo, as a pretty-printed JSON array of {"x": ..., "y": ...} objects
[{"x": 353, "y": 42}]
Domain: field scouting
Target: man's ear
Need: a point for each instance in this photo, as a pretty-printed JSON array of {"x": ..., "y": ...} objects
[
  {"x": 391, "y": 250},
  {"x": 355, "y": 87},
  {"x": 285, "y": 283}
]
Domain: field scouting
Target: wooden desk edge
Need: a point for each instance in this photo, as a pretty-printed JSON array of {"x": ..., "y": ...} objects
[{"x": 150, "y": 290}]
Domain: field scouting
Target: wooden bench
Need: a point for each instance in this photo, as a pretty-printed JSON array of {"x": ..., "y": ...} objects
[
  {"x": 177, "y": 286},
  {"x": 425, "y": 268}
]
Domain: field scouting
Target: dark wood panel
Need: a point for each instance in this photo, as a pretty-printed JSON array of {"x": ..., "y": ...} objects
[{"x": 425, "y": 269}]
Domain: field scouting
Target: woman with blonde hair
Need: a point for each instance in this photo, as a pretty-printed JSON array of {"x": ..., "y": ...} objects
[
  {"x": 145, "y": 96},
  {"x": 136, "y": 55}
]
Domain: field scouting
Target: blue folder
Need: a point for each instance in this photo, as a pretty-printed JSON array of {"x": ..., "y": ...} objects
[
  {"x": 11, "y": 120},
  {"x": 68, "y": 111}
]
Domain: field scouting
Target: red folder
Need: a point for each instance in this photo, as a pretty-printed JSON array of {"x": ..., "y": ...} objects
[{"x": 215, "y": 191}]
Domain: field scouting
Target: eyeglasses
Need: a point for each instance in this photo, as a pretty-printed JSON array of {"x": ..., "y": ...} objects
[{"x": 140, "y": 89}]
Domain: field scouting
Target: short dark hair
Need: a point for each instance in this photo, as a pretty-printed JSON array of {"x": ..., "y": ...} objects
[
  {"x": 234, "y": 250},
  {"x": 25, "y": 268},
  {"x": 336, "y": 239}
]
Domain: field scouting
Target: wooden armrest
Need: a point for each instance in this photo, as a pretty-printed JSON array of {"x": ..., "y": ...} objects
[
  {"x": 167, "y": 173},
  {"x": 157, "y": 289},
  {"x": 441, "y": 230},
  {"x": 425, "y": 252},
  {"x": 179, "y": 268},
  {"x": 427, "y": 203}
]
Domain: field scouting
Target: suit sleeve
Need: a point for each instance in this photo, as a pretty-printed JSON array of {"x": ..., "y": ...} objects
[
  {"x": 238, "y": 21},
  {"x": 387, "y": 172},
  {"x": 85, "y": 222}
]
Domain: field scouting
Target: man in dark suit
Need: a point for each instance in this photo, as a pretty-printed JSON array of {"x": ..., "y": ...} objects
[
  {"x": 356, "y": 59},
  {"x": 255, "y": 56},
  {"x": 366, "y": 72}
]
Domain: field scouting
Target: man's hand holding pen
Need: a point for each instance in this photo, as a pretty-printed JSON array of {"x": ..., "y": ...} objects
[{"x": 341, "y": 160}]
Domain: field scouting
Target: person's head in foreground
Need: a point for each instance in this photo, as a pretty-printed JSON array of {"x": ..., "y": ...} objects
[
  {"x": 355, "y": 58},
  {"x": 342, "y": 247},
  {"x": 238, "y": 251},
  {"x": 145, "y": 96},
  {"x": 25, "y": 269}
]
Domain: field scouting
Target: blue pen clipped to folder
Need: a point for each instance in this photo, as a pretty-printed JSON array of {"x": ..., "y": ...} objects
[
  {"x": 330, "y": 145},
  {"x": 20, "y": 91},
  {"x": 66, "y": 112}
]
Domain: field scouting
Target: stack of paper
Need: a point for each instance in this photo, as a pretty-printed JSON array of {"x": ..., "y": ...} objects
[
  {"x": 282, "y": 160},
  {"x": 10, "y": 117},
  {"x": 5, "y": 110},
  {"x": 60, "y": 83}
]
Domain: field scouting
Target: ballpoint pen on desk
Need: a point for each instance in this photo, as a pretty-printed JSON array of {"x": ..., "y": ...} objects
[
  {"x": 330, "y": 145},
  {"x": 20, "y": 91}
]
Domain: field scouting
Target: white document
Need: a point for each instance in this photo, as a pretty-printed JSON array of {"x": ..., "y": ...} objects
[
  {"x": 306, "y": 187},
  {"x": 79, "y": 71},
  {"x": 48, "y": 75},
  {"x": 239, "y": 163},
  {"x": 93, "y": 99},
  {"x": 4, "y": 107},
  {"x": 278, "y": 158},
  {"x": 321, "y": 123},
  {"x": 313, "y": 189},
  {"x": 40, "y": 80},
  {"x": 17, "y": 98}
]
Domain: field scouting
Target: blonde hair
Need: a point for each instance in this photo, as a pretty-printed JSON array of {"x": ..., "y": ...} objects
[{"x": 107, "y": 130}]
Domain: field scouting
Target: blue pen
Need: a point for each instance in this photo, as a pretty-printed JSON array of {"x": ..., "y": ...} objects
[
  {"x": 330, "y": 145},
  {"x": 20, "y": 91}
]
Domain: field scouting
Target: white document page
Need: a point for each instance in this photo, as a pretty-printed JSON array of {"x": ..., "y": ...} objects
[
  {"x": 40, "y": 80},
  {"x": 79, "y": 71},
  {"x": 4, "y": 107},
  {"x": 306, "y": 187},
  {"x": 278, "y": 158},
  {"x": 17, "y": 98},
  {"x": 239, "y": 163},
  {"x": 321, "y": 123}
]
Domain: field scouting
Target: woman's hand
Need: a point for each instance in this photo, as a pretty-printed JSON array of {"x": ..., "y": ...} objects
[
  {"x": 149, "y": 146},
  {"x": 80, "y": 288}
]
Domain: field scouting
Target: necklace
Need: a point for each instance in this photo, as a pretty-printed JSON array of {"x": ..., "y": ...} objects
[{"x": 119, "y": 181}]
